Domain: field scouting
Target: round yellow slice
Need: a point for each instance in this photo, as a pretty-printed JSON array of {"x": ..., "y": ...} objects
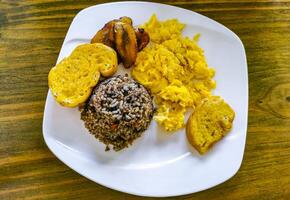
[
  {"x": 105, "y": 58},
  {"x": 209, "y": 123},
  {"x": 71, "y": 81}
]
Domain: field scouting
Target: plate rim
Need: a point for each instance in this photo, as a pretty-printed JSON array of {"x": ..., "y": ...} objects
[{"x": 46, "y": 135}]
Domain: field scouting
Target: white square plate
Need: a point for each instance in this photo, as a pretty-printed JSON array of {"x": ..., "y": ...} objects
[{"x": 157, "y": 164}]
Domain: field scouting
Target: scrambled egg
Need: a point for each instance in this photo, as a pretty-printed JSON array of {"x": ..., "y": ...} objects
[
  {"x": 174, "y": 69},
  {"x": 162, "y": 31}
]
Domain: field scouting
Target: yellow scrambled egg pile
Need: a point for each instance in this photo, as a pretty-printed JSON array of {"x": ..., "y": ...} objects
[{"x": 174, "y": 69}]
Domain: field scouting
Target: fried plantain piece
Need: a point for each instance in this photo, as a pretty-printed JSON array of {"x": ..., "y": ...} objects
[
  {"x": 142, "y": 38},
  {"x": 106, "y": 35},
  {"x": 126, "y": 43},
  {"x": 126, "y": 20}
]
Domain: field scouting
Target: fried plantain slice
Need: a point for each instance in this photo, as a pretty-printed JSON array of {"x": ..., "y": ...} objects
[
  {"x": 142, "y": 38},
  {"x": 126, "y": 20},
  {"x": 126, "y": 43},
  {"x": 106, "y": 35}
]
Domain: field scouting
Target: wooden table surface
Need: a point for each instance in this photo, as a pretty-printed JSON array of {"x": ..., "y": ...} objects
[{"x": 31, "y": 34}]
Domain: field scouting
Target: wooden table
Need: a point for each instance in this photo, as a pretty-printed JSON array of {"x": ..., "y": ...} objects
[{"x": 31, "y": 34}]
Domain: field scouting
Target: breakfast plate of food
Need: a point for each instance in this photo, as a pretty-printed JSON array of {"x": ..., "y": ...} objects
[{"x": 148, "y": 99}]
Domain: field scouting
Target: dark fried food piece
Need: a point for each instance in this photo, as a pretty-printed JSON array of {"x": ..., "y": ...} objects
[
  {"x": 121, "y": 36},
  {"x": 106, "y": 34},
  {"x": 126, "y": 20},
  {"x": 142, "y": 38},
  {"x": 126, "y": 43}
]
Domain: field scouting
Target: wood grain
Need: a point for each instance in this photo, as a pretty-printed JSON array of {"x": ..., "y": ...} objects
[{"x": 31, "y": 34}]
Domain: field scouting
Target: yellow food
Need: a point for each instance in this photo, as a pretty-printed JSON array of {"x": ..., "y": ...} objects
[
  {"x": 100, "y": 56},
  {"x": 106, "y": 34},
  {"x": 162, "y": 31},
  {"x": 71, "y": 81},
  {"x": 175, "y": 70},
  {"x": 126, "y": 43},
  {"x": 210, "y": 121},
  {"x": 169, "y": 115}
]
